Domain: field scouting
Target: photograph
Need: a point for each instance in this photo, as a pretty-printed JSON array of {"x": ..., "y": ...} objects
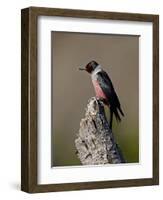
[{"x": 95, "y": 99}]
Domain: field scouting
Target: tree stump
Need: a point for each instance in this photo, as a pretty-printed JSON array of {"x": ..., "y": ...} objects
[{"x": 95, "y": 142}]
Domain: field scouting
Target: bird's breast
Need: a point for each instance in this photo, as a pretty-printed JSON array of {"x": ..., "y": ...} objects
[{"x": 99, "y": 92}]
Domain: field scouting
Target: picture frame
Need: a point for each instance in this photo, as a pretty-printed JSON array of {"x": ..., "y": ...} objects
[{"x": 29, "y": 98}]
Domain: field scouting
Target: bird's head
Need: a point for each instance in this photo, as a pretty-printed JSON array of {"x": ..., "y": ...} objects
[{"x": 90, "y": 67}]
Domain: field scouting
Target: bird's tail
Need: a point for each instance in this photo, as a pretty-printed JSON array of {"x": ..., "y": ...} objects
[
  {"x": 116, "y": 113},
  {"x": 117, "y": 116},
  {"x": 120, "y": 110}
]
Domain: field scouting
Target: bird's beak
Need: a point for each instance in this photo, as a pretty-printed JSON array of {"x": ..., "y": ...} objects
[{"x": 81, "y": 68}]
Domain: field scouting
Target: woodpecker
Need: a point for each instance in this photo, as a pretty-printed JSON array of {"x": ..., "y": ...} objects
[{"x": 104, "y": 89}]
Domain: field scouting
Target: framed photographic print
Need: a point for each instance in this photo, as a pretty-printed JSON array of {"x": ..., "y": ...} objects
[{"x": 90, "y": 99}]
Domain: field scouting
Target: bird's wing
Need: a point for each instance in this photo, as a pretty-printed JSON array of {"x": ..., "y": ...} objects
[{"x": 107, "y": 87}]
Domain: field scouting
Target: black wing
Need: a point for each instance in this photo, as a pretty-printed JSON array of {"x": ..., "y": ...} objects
[{"x": 108, "y": 89}]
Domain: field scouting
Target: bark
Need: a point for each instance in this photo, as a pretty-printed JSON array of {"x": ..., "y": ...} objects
[{"x": 95, "y": 141}]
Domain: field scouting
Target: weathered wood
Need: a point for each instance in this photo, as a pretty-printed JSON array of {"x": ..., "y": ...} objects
[{"x": 95, "y": 142}]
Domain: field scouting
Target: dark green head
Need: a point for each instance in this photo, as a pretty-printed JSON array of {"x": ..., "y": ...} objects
[{"x": 90, "y": 67}]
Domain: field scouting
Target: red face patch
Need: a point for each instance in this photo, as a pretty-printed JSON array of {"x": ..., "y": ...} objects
[{"x": 89, "y": 68}]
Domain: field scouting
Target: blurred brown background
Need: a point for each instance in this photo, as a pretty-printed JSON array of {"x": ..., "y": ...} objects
[{"x": 71, "y": 89}]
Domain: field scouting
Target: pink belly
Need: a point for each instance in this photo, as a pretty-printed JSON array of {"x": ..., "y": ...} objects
[{"x": 98, "y": 90}]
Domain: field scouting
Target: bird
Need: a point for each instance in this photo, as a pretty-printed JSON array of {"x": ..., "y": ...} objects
[{"x": 104, "y": 90}]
